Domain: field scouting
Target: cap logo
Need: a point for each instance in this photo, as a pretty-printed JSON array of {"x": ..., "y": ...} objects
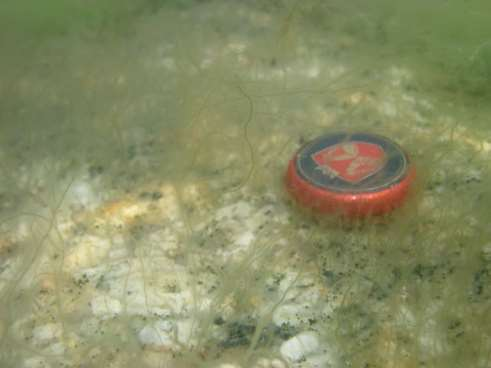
[{"x": 351, "y": 161}]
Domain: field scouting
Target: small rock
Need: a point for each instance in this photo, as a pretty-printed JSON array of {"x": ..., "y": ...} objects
[
  {"x": 300, "y": 346},
  {"x": 82, "y": 194},
  {"x": 229, "y": 365},
  {"x": 88, "y": 251},
  {"x": 185, "y": 332},
  {"x": 157, "y": 335},
  {"x": 105, "y": 307},
  {"x": 486, "y": 252},
  {"x": 48, "y": 331},
  {"x": 269, "y": 363}
]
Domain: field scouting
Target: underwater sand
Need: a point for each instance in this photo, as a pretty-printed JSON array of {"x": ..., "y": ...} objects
[{"x": 144, "y": 219}]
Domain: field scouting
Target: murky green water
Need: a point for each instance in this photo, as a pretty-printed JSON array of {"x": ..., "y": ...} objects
[{"x": 144, "y": 221}]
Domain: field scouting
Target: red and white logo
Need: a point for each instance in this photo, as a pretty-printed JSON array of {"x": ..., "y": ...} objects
[{"x": 351, "y": 161}]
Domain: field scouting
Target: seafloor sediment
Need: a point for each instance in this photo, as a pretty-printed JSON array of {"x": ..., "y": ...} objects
[{"x": 145, "y": 221}]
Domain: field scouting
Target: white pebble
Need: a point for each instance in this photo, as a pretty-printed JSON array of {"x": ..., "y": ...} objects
[
  {"x": 158, "y": 334},
  {"x": 486, "y": 252},
  {"x": 229, "y": 365},
  {"x": 105, "y": 307},
  {"x": 47, "y": 332},
  {"x": 82, "y": 194},
  {"x": 88, "y": 251},
  {"x": 36, "y": 362},
  {"x": 300, "y": 346},
  {"x": 185, "y": 331},
  {"x": 276, "y": 363},
  {"x": 245, "y": 239},
  {"x": 269, "y": 363}
]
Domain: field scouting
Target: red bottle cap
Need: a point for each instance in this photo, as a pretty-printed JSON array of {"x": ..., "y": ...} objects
[{"x": 353, "y": 174}]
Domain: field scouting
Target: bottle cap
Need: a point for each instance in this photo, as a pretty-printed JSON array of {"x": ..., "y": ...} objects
[{"x": 352, "y": 174}]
